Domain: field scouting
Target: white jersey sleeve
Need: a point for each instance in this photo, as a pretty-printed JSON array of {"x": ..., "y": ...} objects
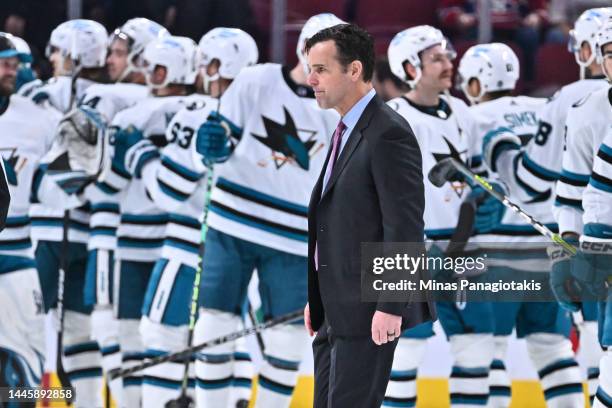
[
  {"x": 582, "y": 141},
  {"x": 174, "y": 177},
  {"x": 597, "y": 198},
  {"x": 539, "y": 166},
  {"x": 21, "y": 154}
]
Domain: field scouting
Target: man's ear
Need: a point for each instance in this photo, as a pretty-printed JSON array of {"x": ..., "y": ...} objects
[
  {"x": 585, "y": 51},
  {"x": 356, "y": 70},
  {"x": 410, "y": 70}
]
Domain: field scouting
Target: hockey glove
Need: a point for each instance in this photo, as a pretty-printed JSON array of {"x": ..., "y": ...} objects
[
  {"x": 490, "y": 212},
  {"x": 592, "y": 267},
  {"x": 213, "y": 142},
  {"x": 565, "y": 287},
  {"x": 133, "y": 151},
  {"x": 496, "y": 142}
]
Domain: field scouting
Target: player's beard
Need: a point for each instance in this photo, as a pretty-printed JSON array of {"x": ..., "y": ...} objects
[{"x": 7, "y": 85}]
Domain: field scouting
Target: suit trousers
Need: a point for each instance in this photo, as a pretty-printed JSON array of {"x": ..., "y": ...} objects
[{"x": 350, "y": 371}]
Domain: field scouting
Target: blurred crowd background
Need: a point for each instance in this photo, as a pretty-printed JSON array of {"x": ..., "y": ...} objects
[{"x": 536, "y": 29}]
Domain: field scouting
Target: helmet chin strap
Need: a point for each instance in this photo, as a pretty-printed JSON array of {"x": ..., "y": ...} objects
[
  {"x": 208, "y": 79},
  {"x": 584, "y": 64}
]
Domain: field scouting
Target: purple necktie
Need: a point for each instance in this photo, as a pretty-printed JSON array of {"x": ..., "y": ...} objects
[{"x": 336, "y": 141}]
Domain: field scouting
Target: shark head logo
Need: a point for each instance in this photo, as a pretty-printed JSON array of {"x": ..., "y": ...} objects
[{"x": 286, "y": 144}]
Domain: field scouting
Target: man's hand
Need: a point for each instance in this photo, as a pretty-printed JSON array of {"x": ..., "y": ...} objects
[
  {"x": 566, "y": 289},
  {"x": 212, "y": 141},
  {"x": 307, "y": 322},
  {"x": 385, "y": 327},
  {"x": 490, "y": 211}
]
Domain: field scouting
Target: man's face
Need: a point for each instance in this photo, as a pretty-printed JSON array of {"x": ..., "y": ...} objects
[
  {"x": 117, "y": 59},
  {"x": 607, "y": 62},
  {"x": 8, "y": 74},
  {"x": 437, "y": 69},
  {"x": 61, "y": 65},
  {"x": 329, "y": 79}
]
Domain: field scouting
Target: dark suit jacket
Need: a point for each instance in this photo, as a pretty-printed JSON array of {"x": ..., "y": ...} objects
[
  {"x": 5, "y": 197},
  {"x": 374, "y": 194}
]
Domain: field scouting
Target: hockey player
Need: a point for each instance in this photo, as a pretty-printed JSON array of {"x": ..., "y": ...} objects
[
  {"x": 78, "y": 48},
  {"x": 533, "y": 174},
  {"x": 268, "y": 166},
  {"x": 586, "y": 159},
  {"x": 175, "y": 181},
  {"x": 488, "y": 74},
  {"x": 25, "y": 141},
  {"x": 171, "y": 68},
  {"x": 422, "y": 57},
  {"x": 592, "y": 266},
  {"x": 25, "y": 73},
  {"x": 124, "y": 66}
]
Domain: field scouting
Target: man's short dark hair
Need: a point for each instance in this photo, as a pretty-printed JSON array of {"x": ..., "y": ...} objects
[{"x": 353, "y": 43}]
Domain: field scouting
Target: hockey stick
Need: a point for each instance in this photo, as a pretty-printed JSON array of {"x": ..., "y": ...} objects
[
  {"x": 61, "y": 372},
  {"x": 181, "y": 355},
  {"x": 184, "y": 401},
  {"x": 445, "y": 170}
]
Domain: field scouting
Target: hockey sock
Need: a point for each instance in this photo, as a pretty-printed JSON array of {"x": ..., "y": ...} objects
[
  {"x": 402, "y": 388},
  {"x": 278, "y": 375},
  {"x": 499, "y": 382},
  {"x": 557, "y": 368},
  {"x": 469, "y": 380},
  {"x": 82, "y": 361}
]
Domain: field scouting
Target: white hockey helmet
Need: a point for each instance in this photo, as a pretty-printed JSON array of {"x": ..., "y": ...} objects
[
  {"x": 59, "y": 40},
  {"x": 137, "y": 32},
  {"x": 604, "y": 36},
  {"x": 585, "y": 29},
  {"x": 88, "y": 43},
  {"x": 234, "y": 48},
  {"x": 407, "y": 45},
  {"x": 312, "y": 26},
  {"x": 495, "y": 66},
  {"x": 22, "y": 47},
  {"x": 179, "y": 55}
]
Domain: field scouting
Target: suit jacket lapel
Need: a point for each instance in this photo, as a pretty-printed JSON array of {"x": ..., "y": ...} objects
[{"x": 352, "y": 143}]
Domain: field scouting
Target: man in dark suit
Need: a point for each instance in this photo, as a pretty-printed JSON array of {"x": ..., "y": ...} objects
[{"x": 370, "y": 190}]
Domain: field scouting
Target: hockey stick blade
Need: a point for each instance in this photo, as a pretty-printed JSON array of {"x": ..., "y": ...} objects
[
  {"x": 182, "y": 355},
  {"x": 442, "y": 172}
]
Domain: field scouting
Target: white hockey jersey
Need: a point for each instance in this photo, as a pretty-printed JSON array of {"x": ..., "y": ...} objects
[
  {"x": 142, "y": 225},
  {"x": 47, "y": 219},
  {"x": 443, "y": 131},
  {"x": 108, "y": 100},
  {"x": 597, "y": 198},
  {"x": 263, "y": 189},
  {"x": 23, "y": 142},
  {"x": 589, "y": 121},
  {"x": 539, "y": 166},
  {"x": 520, "y": 115},
  {"x": 176, "y": 182}
]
